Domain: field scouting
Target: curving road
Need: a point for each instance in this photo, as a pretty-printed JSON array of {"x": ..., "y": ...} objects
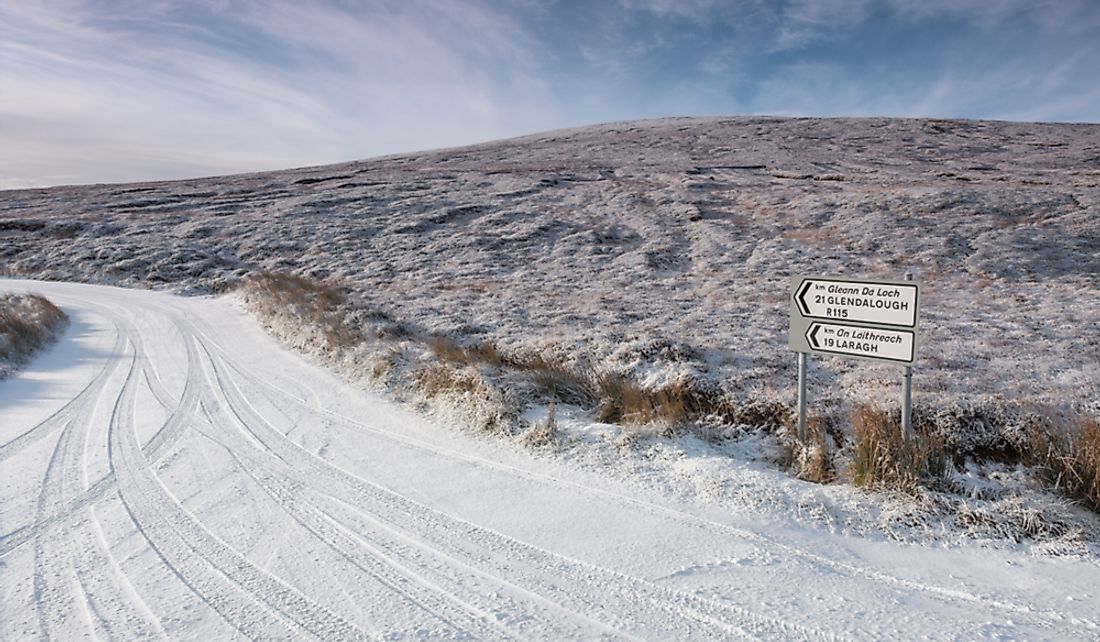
[{"x": 168, "y": 472}]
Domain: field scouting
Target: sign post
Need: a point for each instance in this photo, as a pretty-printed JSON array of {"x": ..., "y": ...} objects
[
  {"x": 802, "y": 397},
  {"x": 907, "y": 394},
  {"x": 872, "y": 320}
]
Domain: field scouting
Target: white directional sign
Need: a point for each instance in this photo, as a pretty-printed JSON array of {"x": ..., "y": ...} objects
[
  {"x": 865, "y": 319},
  {"x": 872, "y": 302},
  {"x": 858, "y": 341}
]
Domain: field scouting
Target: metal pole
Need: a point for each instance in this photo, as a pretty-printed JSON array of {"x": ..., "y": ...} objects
[
  {"x": 907, "y": 404},
  {"x": 907, "y": 394},
  {"x": 802, "y": 396}
]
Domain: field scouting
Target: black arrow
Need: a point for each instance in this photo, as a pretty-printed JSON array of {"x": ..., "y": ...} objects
[
  {"x": 812, "y": 336},
  {"x": 799, "y": 297}
]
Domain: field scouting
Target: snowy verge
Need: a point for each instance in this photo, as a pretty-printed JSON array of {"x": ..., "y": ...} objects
[
  {"x": 611, "y": 425},
  {"x": 28, "y": 323}
]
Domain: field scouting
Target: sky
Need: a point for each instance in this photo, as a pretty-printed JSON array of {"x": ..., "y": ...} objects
[{"x": 132, "y": 90}]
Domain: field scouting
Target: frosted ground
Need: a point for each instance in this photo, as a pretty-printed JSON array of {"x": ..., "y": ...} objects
[
  {"x": 663, "y": 250},
  {"x": 168, "y": 471},
  {"x": 659, "y": 248}
]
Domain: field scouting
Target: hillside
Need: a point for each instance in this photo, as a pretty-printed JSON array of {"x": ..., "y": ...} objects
[{"x": 661, "y": 249}]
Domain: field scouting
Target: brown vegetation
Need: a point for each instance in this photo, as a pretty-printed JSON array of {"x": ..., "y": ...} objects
[
  {"x": 885, "y": 459},
  {"x": 303, "y": 304},
  {"x": 811, "y": 459},
  {"x": 1067, "y": 454},
  {"x": 492, "y": 386},
  {"x": 27, "y": 323}
]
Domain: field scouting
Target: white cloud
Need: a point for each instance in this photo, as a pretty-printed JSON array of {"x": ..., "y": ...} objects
[
  {"x": 241, "y": 86},
  {"x": 695, "y": 9},
  {"x": 802, "y": 22},
  {"x": 96, "y": 90}
]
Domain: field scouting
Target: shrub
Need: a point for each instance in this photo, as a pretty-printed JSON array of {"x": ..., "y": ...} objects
[
  {"x": 622, "y": 401},
  {"x": 298, "y": 303},
  {"x": 1067, "y": 455},
  {"x": 884, "y": 459},
  {"x": 812, "y": 459},
  {"x": 27, "y": 323},
  {"x": 543, "y": 433}
]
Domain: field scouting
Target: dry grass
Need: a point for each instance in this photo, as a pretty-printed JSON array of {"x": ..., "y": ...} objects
[
  {"x": 813, "y": 459},
  {"x": 27, "y": 323},
  {"x": 443, "y": 379},
  {"x": 622, "y": 400},
  {"x": 447, "y": 350},
  {"x": 467, "y": 393},
  {"x": 617, "y": 398},
  {"x": 311, "y": 316},
  {"x": 484, "y": 353},
  {"x": 1067, "y": 454},
  {"x": 543, "y": 433},
  {"x": 301, "y": 303},
  {"x": 883, "y": 459},
  {"x": 554, "y": 379}
]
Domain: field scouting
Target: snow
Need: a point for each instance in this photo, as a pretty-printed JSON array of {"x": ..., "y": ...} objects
[
  {"x": 169, "y": 471},
  {"x": 660, "y": 249}
]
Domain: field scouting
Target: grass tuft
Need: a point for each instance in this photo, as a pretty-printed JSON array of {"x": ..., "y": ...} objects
[
  {"x": 543, "y": 433},
  {"x": 447, "y": 350},
  {"x": 299, "y": 303},
  {"x": 883, "y": 459},
  {"x": 553, "y": 379},
  {"x": 28, "y": 322},
  {"x": 1067, "y": 455},
  {"x": 622, "y": 400},
  {"x": 813, "y": 459}
]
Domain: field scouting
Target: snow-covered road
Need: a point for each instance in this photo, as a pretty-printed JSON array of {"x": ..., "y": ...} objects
[{"x": 169, "y": 471}]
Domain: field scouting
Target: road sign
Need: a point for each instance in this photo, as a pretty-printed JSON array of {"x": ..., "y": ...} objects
[
  {"x": 883, "y": 303},
  {"x": 897, "y": 346},
  {"x": 875, "y": 320}
]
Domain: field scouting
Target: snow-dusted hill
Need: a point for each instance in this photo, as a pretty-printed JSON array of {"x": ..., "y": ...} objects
[
  {"x": 661, "y": 249},
  {"x": 168, "y": 471}
]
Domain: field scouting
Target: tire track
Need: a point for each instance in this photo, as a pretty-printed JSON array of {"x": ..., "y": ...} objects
[
  {"x": 432, "y": 587},
  {"x": 252, "y": 601},
  {"x": 597, "y": 594},
  {"x": 464, "y": 619},
  {"x": 165, "y": 437},
  {"x": 65, "y": 414},
  {"x": 903, "y": 586},
  {"x": 403, "y": 587},
  {"x": 69, "y": 558}
]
